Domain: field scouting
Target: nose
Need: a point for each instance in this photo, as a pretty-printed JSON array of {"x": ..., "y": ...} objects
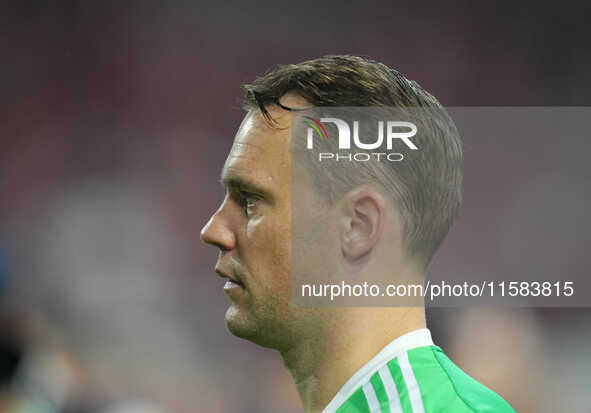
[{"x": 217, "y": 231}]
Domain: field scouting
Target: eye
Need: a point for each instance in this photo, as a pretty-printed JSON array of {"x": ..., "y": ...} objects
[{"x": 249, "y": 201}]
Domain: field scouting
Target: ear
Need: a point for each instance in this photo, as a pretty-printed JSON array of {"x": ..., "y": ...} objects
[{"x": 362, "y": 223}]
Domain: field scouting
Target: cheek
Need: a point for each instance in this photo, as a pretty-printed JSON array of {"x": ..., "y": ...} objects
[
  {"x": 315, "y": 247},
  {"x": 266, "y": 249},
  {"x": 252, "y": 226}
]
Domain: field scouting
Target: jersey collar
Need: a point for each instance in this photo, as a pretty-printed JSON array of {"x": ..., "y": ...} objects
[{"x": 408, "y": 341}]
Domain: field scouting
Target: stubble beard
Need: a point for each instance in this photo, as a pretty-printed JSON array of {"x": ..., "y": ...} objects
[{"x": 265, "y": 324}]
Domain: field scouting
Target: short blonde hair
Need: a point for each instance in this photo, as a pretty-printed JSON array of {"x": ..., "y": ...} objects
[{"x": 426, "y": 186}]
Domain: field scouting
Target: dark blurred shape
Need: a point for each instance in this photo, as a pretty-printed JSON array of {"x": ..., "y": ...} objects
[{"x": 11, "y": 354}]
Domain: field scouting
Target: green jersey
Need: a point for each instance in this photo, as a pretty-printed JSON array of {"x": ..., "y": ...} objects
[{"x": 412, "y": 375}]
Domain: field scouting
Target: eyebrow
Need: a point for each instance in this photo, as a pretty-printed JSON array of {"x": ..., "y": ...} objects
[{"x": 231, "y": 181}]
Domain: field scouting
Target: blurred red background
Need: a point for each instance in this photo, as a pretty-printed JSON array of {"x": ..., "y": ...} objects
[{"x": 116, "y": 120}]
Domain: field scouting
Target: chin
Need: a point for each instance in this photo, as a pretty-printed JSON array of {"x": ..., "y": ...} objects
[
  {"x": 244, "y": 326},
  {"x": 239, "y": 324}
]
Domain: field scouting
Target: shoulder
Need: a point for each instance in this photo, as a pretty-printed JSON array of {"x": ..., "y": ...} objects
[
  {"x": 421, "y": 380},
  {"x": 418, "y": 380},
  {"x": 444, "y": 387}
]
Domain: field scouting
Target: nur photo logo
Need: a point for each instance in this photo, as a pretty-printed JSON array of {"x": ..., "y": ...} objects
[{"x": 387, "y": 133}]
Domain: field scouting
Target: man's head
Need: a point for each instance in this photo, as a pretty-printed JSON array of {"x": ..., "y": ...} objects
[{"x": 401, "y": 210}]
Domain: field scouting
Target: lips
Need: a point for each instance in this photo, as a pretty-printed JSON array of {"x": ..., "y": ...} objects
[{"x": 232, "y": 279}]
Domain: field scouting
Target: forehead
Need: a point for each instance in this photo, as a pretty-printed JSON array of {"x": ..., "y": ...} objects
[{"x": 260, "y": 151}]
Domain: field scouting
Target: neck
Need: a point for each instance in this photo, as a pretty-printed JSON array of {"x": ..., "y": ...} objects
[{"x": 320, "y": 365}]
